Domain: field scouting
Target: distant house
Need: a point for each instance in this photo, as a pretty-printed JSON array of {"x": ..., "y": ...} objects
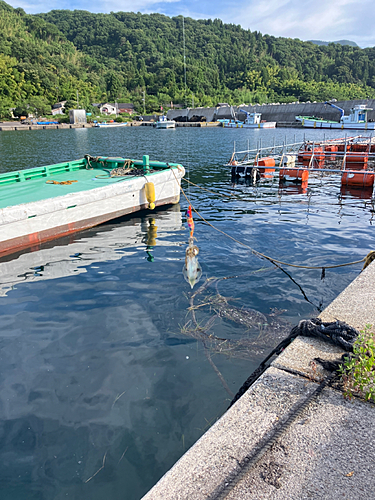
[
  {"x": 107, "y": 108},
  {"x": 127, "y": 107},
  {"x": 58, "y": 108},
  {"x": 110, "y": 108}
]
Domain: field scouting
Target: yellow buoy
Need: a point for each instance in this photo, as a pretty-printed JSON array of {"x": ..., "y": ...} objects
[{"x": 150, "y": 194}]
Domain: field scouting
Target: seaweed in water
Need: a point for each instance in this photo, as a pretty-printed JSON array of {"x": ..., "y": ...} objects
[{"x": 264, "y": 330}]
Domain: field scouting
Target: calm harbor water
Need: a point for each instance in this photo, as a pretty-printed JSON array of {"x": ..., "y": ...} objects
[{"x": 105, "y": 380}]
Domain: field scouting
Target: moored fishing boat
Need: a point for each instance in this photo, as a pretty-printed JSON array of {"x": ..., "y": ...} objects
[
  {"x": 356, "y": 120},
  {"x": 253, "y": 120},
  {"x": 163, "y": 122},
  {"x": 44, "y": 203},
  {"x": 111, "y": 124}
]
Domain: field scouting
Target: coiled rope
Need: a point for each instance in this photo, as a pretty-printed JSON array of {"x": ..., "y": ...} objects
[{"x": 367, "y": 260}]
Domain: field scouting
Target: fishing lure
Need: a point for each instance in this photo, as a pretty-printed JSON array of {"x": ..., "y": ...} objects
[
  {"x": 192, "y": 270},
  {"x": 190, "y": 220}
]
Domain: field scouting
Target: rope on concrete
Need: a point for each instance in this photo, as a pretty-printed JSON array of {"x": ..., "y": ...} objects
[
  {"x": 368, "y": 259},
  {"x": 336, "y": 332}
]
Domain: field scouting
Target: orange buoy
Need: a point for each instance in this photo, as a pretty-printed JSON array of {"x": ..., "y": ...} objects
[
  {"x": 265, "y": 167},
  {"x": 317, "y": 154},
  {"x": 294, "y": 174},
  {"x": 360, "y": 178},
  {"x": 267, "y": 161},
  {"x": 359, "y": 147}
]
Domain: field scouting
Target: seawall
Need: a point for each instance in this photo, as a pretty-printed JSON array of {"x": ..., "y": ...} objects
[
  {"x": 325, "y": 452},
  {"x": 271, "y": 112}
]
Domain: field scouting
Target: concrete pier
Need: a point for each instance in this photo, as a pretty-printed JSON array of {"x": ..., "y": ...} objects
[
  {"x": 12, "y": 126},
  {"x": 327, "y": 453}
]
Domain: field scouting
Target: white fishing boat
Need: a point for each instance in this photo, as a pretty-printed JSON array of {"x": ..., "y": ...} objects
[
  {"x": 44, "y": 203},
  {"x": 111, "y": 124},
  {"x": 356, "y": 120},
  {"x": 163, "y": 122},
  {"x": 252, "y": 120}
]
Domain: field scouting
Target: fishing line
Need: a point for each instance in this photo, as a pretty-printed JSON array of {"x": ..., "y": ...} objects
[{"x": 366, "y": 259}]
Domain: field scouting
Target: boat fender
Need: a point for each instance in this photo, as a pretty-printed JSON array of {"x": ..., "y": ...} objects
[{"x": 150, "y": 194}]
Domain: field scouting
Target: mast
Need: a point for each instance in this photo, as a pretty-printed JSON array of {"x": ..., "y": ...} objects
[{"x": 183, "y": 39}]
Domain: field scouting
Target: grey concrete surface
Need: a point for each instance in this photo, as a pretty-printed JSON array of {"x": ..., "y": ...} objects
[
  {"x": 299, "y": 358},
  {"x": 327, "y": 453},
  {"x": 356, "y": 304},
  {"x": 272, "y": 112}
]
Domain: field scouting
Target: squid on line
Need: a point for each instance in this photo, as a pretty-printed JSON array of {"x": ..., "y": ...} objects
[{"x": 192, "y": 270}]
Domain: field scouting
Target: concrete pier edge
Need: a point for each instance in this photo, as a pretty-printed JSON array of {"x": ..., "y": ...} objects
[{"x": 327, "y": 453}]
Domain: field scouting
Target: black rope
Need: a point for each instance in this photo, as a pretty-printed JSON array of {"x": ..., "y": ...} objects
[{"x": 336, "y": 332}]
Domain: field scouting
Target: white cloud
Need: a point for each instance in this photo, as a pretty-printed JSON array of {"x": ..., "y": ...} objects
[{"x": 311, "y": 19}]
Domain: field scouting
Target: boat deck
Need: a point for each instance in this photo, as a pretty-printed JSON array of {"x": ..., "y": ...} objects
[{"x": 36, "y": 184}]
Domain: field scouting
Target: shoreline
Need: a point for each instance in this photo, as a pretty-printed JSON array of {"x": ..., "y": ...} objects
[{"x": 18, "y": 126}]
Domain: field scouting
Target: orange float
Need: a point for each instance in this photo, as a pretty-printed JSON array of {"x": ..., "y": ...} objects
[
  {"x": 330, "y": 151},
  {"x": 265, "y": 166},
  {"x": 360, "y": 178},
  {"x": 317, "y": 154}
]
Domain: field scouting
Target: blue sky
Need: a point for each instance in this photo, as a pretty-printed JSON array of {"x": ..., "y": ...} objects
[{"x": 327, "y": 20}]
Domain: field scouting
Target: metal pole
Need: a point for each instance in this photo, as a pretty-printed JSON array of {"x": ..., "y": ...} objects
[{"x": 183, "y": 38}]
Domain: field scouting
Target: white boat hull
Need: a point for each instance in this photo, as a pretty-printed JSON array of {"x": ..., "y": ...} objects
[
  {"x": 111, "y": 125},
  {"x": 29, "y": 224},
  {"x": 249, "y": 125},
  {"x": 308, "y": 123},
  {"x": 166, "y": 124}
]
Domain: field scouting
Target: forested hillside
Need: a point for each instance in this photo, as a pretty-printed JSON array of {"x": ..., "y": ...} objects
[{"x": 119, "y": 56}]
